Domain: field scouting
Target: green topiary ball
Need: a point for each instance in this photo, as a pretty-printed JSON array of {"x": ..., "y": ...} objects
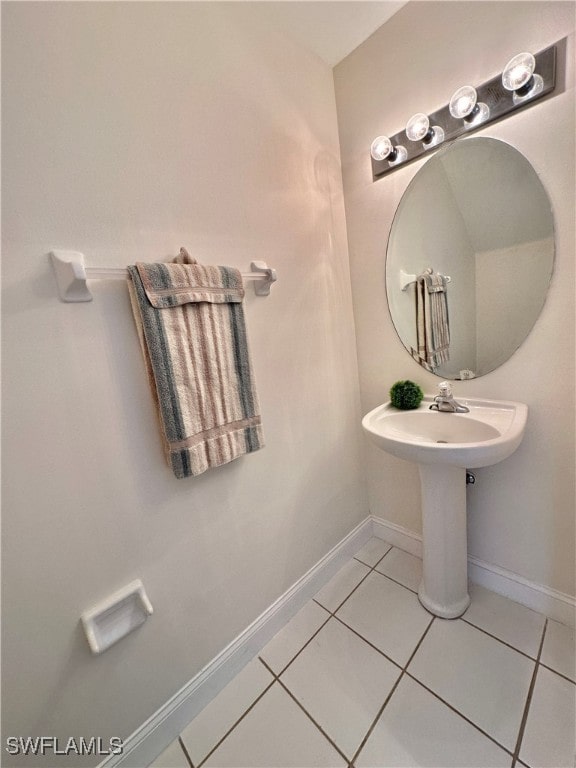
[{"x": 406, "y": 395}]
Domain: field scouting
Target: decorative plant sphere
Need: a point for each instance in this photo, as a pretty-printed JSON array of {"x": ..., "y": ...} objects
[{"x": 406, "y": 395}]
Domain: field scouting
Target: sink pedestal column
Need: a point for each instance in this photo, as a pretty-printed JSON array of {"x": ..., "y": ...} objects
[{"x": 444, "y": 587}]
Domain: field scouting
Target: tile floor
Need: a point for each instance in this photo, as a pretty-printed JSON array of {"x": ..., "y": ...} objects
[{"x": 364, "y": 677}]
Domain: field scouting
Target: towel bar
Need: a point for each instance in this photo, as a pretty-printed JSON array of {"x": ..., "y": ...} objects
[
  {"x": 71, "y": 275},
  {"x": 406, "y": 279}
]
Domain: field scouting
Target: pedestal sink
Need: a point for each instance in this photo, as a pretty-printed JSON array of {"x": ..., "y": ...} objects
[{"x": 444, "y": 445}]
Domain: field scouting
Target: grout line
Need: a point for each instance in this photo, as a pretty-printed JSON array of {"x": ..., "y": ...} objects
[
  {"x": 378, "y": 715},
  {"x": 313, "y": 599},
  {"x": 495, "y": 637},
  {"x": 457, "y": 712},
  {"x": 396, "y": 684},
  {"x": 333, "y": 615},
  {"x": 274, "y": 675},
  {"x": 362, "y": 580},
  {"x": 375, "y": 647},
  {"x": 555, "y": 671},
  {"x": 372, "y": 570},
  {"x": 183, "y": 748},
  {"x": 529, "y": 698},
  {"x": 391, "y": 547},
  {"x": 306, "y": 644},
  {"x": 322, "y": 731},
  {"x": 419, "y": 643},
  {"x": 354, "y": 631},
  {"x": 289, "y": 692},
  {"x": 414, "y": 591},
  {"x": 242, "y": 716}
]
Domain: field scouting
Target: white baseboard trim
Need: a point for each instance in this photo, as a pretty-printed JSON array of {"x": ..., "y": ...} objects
[
  {"x": 557, "y": 605},
  {"x": 554, "y": 604},
  {"x": 397, "y": 535},
  {"x": 165, "y": 725}
]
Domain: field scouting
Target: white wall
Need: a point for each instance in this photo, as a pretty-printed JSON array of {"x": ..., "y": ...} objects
[
  {"x": 505, "y": 306},
  {"x": 131, "y": 129},
  {"x": 521, "y": 512}
]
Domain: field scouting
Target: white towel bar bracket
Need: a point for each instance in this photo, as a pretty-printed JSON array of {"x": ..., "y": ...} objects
[
  {"x": 72, "y": 275},
  {"x": 263, "y": 275}
]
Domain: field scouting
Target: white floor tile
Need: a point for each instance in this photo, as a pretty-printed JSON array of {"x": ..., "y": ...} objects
[
  {"x": 341, "y": 585},
  {"x": 559, "y": 649},
  {"x": 417, "y": 729},
  {"x": 275, "y": 734},
  {"x": 509, "y": 621},
  {"x": 387, "y": 615},
  {"x": 373, "y": 551},
  {"x": 402, "y": 567},
  {"x": 342, "y": 682},
  {"x": 291, "y": 638},
  {"x": 550, "y": 735},
  {"x": 207, "y": 728},
  {"x": 173, "y": 757},
  {"x": 482, "y": 678}
]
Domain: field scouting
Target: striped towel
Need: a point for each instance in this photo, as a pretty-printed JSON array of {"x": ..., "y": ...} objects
[
  {"x": 432, "y": 323},
  {"x": 190, "y": 321}
]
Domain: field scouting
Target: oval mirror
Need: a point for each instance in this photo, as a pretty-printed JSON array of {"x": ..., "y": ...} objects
[{"x": 469, "y": 258}]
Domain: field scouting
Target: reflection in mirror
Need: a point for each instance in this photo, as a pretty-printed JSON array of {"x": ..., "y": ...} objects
[{"x": 478, "y": 213}]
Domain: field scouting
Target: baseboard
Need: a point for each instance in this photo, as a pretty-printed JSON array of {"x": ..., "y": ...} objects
[
  {"x": 397, "y": 536},
  {"x": 160, "y": 730},
  {"x": 554, "y": 604},
  {"x": 557, "y": 605}
]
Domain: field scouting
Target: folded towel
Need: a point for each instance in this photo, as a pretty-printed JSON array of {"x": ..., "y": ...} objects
[
  {"x": 435, "y": 282},
  {"x": 432, "y": 323},
  {"x": 190, "y": 322}
]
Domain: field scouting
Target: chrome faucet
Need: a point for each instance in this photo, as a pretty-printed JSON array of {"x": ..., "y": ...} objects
[{"x": 444, "y": 401}]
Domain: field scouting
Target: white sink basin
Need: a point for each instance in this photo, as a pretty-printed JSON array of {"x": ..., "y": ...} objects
[{"x": 489, "y": 433}]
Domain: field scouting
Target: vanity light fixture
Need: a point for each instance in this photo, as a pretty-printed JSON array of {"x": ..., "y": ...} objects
[
  {"x": 519, "y": 77},
  {"x": 418, "y": 129},
  {"x": 464, "y": 105},
  {"x": 526, "y": 78},
  {"x": 383, "y": 148}
]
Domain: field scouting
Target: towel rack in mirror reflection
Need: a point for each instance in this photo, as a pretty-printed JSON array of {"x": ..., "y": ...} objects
[
  {"x": 406, "y": 279},
  {"x": 72, "y": 275}
]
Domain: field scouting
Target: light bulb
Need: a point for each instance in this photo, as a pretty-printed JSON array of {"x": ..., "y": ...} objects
[
  {"x": 464, "y": 106},
  {"x": 383, "y": 148},
  {"x": 518, "y": 76},
  {"x": 518, "y": 71},
  {"x": 418, "y": 129}
]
